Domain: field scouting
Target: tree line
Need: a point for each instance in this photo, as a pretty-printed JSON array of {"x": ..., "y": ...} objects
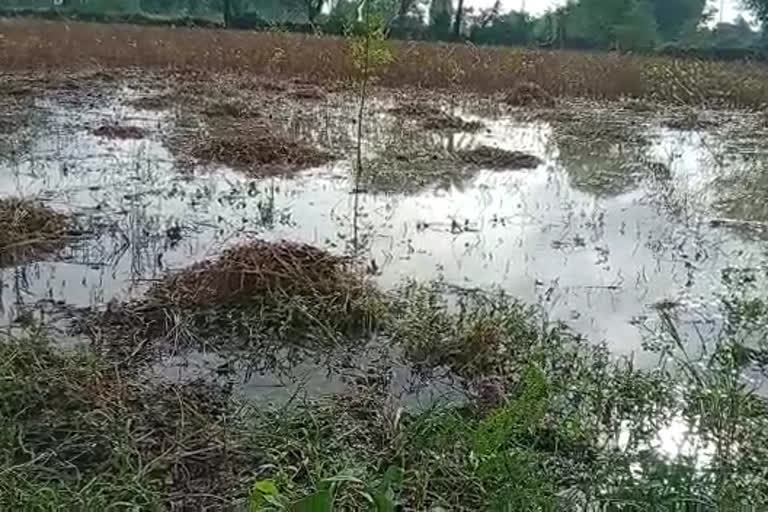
[{"x": 667, "y": 26}]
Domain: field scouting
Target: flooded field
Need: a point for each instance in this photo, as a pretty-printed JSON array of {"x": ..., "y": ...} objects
[
  {"x": 200, "y": 281},
  {"x": 622, "y": 215}
]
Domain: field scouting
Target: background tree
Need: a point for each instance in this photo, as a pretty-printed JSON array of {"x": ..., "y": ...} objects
[
  {"x": 637, "y": 29},
  {"x": 440, "y": 19},
  {"x": 458, "y": 21},
  {"x": 674, "y": 16},
  {"x": 313, "y": 8},
  {"x": 759, "y": 8},
  {"x": 513, "y": 28}
]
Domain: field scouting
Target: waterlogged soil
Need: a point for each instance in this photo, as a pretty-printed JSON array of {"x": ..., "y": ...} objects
[{"x": 619, "y": 210}]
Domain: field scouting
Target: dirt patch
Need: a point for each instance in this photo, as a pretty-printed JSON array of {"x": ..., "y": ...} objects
[
  {"x": 530, "y": 94},
  {"x": 263, "y": 296},
  {"x": 258, "y": 152},
  {"x": 29, "y": 230},
  {"x": 433, "y": 118},
  {"x": 495, "y": 158},
  {"x": 115, "y": 131}
]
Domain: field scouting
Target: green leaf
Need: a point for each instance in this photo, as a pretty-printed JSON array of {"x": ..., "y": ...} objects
[
  {"x": 384, "y": 495},
  {"x": 321, "y": 501},
  {"x": 263, "y": 492},
  {"x": 267, "y": 487}
]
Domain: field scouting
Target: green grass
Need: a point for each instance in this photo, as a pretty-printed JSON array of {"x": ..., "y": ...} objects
[{"x": 535, "y": 431}]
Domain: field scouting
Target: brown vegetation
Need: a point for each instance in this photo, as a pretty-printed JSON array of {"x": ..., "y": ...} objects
[
  {"x": 258, "y": 153},
  {"x": 261, "y": 295},
  {"x": 433, "y": 118},
  {"x": 38, "y": 45},
  {"x": 28, "y": 229},
  {"x": 257, "y": 269},
  {"x": 529, "y": 94}
]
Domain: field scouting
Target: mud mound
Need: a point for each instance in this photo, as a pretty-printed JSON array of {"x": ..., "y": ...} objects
[
  {"x": 258, "y": 152},
  {"x": 495, "y": 158},
  {"x": 529, "y": 94},
  {"x": 115, "y": 131},
  {"x": 28, "y": 229}
]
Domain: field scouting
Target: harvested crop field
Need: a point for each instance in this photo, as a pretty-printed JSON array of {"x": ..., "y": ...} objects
[{"x": 529, "y": 293}]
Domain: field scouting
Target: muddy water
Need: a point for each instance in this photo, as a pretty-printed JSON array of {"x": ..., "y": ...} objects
[{"x": 595, "y": 239}]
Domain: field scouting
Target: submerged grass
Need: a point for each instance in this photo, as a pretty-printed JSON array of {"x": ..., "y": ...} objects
[
  {"x": 411, "y": 169},
  {"x": 29, "y": 230}
]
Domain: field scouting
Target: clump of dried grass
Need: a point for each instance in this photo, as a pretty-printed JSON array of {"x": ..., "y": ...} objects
[
  {"x": 116, "y": 131},
  {"x": 258, "y": 152},
  {"x": 29, "y": 229},
  {"x": 260, "y": 269},
  {"x": 496, "y": 158},
  {"x": 260, "y": 295},
  {"x": 530, "y": 94},
  {"x": 433, "y": 118},
  {"x": 154, "y": 103}
]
